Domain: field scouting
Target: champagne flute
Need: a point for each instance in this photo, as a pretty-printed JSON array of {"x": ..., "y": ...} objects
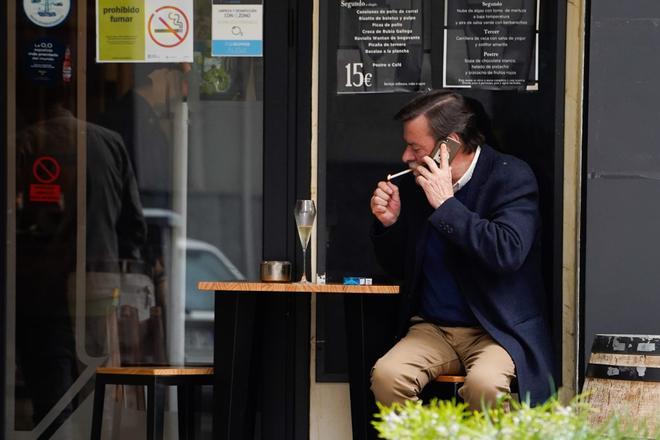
[{"x": 305, "y": 213}]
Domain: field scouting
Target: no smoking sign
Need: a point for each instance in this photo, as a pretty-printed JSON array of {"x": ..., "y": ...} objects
[
  {"x": 45, "y": 170},
  {"x": 168, "y": 26}
]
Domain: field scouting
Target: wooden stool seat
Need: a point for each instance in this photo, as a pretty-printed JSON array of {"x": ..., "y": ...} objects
[
  {"x": 454, "y": 381},
  {"x": 448, "y": 378},
  {"x": 156, "y": 379}
]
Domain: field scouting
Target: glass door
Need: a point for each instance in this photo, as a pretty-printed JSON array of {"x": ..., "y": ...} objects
[{"x": 128, "y": 182}]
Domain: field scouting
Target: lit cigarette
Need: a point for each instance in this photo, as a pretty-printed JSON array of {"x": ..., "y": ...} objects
[{"x": 393, "y": 176}]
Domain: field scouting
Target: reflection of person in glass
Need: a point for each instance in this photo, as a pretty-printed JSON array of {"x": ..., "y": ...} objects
[
  {"x": 145, "y": 119},
  {"x": 465, "y": 239},
  {"x": 46, "y": 245}
]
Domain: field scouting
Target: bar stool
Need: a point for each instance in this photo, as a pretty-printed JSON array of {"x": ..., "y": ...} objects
[
  {"x": 455, "y": 381},
  {"x": 156, "y": 379}
]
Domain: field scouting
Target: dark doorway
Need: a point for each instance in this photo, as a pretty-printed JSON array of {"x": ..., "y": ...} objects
[{"x": 360, "y": 143}]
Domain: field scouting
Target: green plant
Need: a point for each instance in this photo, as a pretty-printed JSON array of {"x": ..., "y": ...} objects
[{"x": 452, "y": 420}]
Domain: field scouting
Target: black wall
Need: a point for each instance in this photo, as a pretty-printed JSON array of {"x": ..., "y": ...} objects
[
  {"x": 3, "y": 221},
  {"x": 280, "y": 369},
  {"x": 620, "y": 239}
]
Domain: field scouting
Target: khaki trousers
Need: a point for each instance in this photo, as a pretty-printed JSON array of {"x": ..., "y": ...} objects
[{"x": 429, "y": 350}]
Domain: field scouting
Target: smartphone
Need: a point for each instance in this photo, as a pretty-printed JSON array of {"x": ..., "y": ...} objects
[{"x": 452, "y": 147}]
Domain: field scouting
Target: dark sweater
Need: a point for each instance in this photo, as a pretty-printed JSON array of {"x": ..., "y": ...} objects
[{"x": 442, "y": 302}]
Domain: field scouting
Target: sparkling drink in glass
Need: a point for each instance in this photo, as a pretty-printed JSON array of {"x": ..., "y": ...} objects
[{"x": 305, "y": 213}]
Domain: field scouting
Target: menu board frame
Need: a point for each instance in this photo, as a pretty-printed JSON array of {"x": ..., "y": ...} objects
[
  {"x": 491, "y": 44},
  {"x": 383, "y": 46}
]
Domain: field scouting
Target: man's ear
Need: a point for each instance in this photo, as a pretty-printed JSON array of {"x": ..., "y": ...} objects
[{"x": 455, "y": 136}]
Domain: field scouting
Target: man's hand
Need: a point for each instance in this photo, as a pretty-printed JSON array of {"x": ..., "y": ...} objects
[
  {"x": 436, "y": 180},
  {"x": 386, "y": 203}
]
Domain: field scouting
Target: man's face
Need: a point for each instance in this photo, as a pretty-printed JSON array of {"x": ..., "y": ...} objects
[{"x": 419, "y": 141}]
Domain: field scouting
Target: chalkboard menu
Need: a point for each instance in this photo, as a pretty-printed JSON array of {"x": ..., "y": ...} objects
[
  {"x": 491, "y": 44},
  {"x": 383, "y": 46}
]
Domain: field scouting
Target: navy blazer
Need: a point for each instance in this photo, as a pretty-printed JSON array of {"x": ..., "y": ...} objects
[{"x": 494, "y": 253}]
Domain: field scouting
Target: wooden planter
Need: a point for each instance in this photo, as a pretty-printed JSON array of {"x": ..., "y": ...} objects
[{"x": 623, "y": 379}]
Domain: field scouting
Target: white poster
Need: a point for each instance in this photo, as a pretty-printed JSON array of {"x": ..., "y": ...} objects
[{"x": 237, "y": 28}]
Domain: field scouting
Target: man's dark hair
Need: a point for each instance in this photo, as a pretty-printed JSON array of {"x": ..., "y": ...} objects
[{"x": 446, "y": 112}]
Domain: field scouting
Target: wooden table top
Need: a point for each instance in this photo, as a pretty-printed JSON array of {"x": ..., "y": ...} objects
[
  {"x": 253, "y": 286},
  {"x": 157, "y": 371}
]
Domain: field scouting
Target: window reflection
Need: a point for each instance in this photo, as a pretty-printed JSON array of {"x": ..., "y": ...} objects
[
  {"x": 49, "y": 341},
  {"x": 144, "y": 117},
  {"x": 45, "y": 239},
  {"x": 160, "y": 186},
  {"x": 147, "y": 117}
]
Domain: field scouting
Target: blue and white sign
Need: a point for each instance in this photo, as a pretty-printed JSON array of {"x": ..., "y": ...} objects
[
  {"x": 237, "y": 29},
  {"x": 47, "y": 13}
]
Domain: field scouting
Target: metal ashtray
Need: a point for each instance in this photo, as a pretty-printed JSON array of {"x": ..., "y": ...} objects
[{"x": 275, "y": 271}]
